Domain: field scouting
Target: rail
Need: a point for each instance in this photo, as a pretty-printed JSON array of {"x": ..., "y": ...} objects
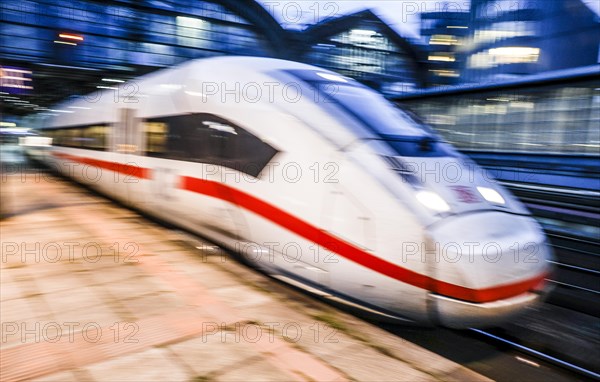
[{"x": 539, "y": 355}]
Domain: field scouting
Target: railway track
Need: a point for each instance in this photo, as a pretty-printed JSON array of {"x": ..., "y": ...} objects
[
  {"x": 535, "y": 347},
  {"x": 572, "y": 225},
  {"x": 562, "y": 198},
  {"x": 537, "y": 354},
  {"x": 577, "y": 276}
]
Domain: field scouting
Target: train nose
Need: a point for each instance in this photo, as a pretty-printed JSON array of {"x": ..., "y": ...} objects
[{"x": 495, "y": 271}]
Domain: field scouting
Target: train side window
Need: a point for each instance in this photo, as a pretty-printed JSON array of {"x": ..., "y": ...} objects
[
  {"x": 99, "y": 135},
  {"x": 50, "y": 134},
  {"x": 249, "y": 153},
  {"x": 75, "y": 138},
  {"x": 220, "y": 138},
  {"x": 84, "y": 137},
  {"x": 65, "y": 138},
  {"x": 156, "y": 138},
  {"x": 88, "y": 137},
  {"x": 206, "y": 138},
  {"x": 177, "y": 138},
  {"x": 94, "y": 137},
  {"x": 237, "y": 148},
  {"x": 57, "y": 138}
]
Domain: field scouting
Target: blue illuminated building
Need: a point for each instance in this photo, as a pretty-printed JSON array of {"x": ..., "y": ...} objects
[
  {"x": 498, "y": 40},
  {"x": 53, "y": 49}
]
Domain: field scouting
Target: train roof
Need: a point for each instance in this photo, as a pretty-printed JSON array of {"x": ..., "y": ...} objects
[{"x": 169, "y": 76}]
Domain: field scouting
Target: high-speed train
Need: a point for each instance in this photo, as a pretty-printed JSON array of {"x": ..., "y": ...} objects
[{"x": 316, "y": 180}]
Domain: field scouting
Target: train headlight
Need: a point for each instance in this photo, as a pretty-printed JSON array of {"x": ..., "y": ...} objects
[
  {"x": 491, "y": 195},
  {"x": 432, "y": 201}
]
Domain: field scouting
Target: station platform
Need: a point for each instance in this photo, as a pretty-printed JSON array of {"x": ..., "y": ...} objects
[{"x": 92, "y": 291}]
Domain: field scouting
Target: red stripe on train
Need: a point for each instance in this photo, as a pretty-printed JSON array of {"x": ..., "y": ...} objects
[
  {"x": 129, "y": 169},
  {"x": 349, "y": 251},
  {"x": 324, "y": 239}
]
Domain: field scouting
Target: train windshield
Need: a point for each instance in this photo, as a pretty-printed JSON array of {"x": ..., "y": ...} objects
[
  {"x": 374, "y": 110},
  {"x": 399, "y": 130}
]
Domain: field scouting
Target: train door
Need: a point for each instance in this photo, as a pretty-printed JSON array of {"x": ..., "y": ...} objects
[
  {"x": 217, "y": 138},
  {"x": 346, "y": 218},
  {"x": 221, "y": 214},
  {"x": 131, "y": 174}
]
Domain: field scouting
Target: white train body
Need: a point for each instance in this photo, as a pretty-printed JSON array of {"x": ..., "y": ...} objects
[{"x": 282, "y": 162}]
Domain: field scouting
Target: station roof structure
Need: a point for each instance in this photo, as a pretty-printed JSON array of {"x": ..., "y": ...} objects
[
  {"x": 50, "y": 53},
  {"x": 406, "y": 51}
]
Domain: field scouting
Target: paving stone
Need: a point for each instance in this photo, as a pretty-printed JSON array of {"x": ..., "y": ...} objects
[
  {"x": 19, "y": 309},
  {"x": 22, "y": 331},
  {"x": 365, "y": 364},
  {"x": 241, "y": 296},
  {"x": 16, "y": 290},
  {"x": 131, "y": 288},
  {"x": 65, "y": 300},
  {"x": 150, "y": 365},
  {"x": 259, "y": 370},
  {"x": 64, "y": 376},
  {"x": 153, "y": 304},
  {"x": 59, "y": 282},
  {"x": 213, "y": 352},
  {"x": 101, "y": 316},
  {"x": 113, "y": 273},
  {"x": 209, "y": 277}
]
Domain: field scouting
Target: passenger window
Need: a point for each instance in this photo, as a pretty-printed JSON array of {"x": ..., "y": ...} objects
[
  {"x": 75, "y": 138},
  {"x": 95, "y": 137},
  {"x": 206, "y": 138},
  {"x": 156, "y": 138},
  {"x": 88, "y": 137}
]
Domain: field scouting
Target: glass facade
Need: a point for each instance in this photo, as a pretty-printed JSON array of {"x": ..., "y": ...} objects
[
  {"x": 109, "y": 34},
  {"x": 360, "y": 54},
  {"x": 70, "y": 47},
  {"x": 551, "y": 119},
  {"x": 496, "y": 40},
  {"x": 444, "y": 35},
  {"x": 362, "y": 46}
]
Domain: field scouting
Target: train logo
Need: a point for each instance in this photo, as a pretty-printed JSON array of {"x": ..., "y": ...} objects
[{"x": 466, "y": 194}]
